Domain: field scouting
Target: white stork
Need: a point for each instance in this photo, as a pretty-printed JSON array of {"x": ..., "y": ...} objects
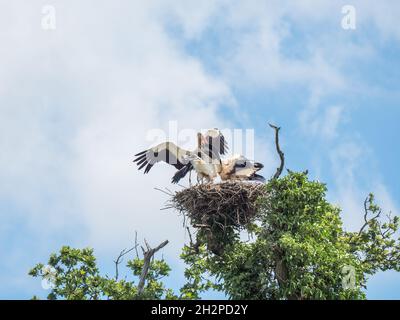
[
  {"x": 239, "y": 167},
  {"x": 210, "y": 146},
  {"x": 205, "y": 169}
]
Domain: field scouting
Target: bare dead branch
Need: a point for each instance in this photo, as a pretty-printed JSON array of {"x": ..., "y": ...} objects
[
  {"x": 136, "y": 245},
  {"x": 279, "y": 151},
  {"x": 190, "y": 236},
  {"x": 194, "y": 245},
  {"x": 147, "y": 256},
  {"x": 366, "y": 211},
  {"x": 120, "y": 259},
  {"x": 123, "y": 253}
]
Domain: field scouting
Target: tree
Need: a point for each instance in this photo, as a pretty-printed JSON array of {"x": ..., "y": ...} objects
[
  {"x": 299, "y": 250},
  {"x": 74, "y": 275}
]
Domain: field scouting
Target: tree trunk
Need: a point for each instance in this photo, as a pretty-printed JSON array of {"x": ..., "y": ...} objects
[{"x": 282, "y": 274}]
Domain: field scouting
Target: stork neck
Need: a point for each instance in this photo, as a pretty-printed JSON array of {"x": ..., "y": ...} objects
[
  {"x": 219, "y": 167},
  {"x": 199, "y": 140}
]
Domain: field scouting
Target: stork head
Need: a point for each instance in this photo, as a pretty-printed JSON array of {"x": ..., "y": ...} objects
[
  {"x": 258, "y": 165},
  {"x": 214, "y": 133},
  {"x": 190, "y": 157},
  {"x": 242, "y": 161}
]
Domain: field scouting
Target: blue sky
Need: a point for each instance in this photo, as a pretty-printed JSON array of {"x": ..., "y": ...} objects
[{"x": 78, "y": 101}]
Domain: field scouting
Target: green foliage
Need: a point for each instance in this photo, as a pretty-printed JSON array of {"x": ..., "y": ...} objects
[
  {"x": 375, "y": 245},
  {"x": 298, "y": 250},
  {"x": 303, "y": 231},
  {"x": 75, "y": 276},
  {"x": 198, "y": 279}
]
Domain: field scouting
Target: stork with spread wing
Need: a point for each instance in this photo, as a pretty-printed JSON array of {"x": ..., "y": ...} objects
[{"x": 210, "y": 147}]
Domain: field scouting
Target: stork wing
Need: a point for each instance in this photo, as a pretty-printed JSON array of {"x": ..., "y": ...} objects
[
  {"x": 168, "y": 152},
  {"x": 215, "y": 143},
  {"x": 182, "y": 173}
]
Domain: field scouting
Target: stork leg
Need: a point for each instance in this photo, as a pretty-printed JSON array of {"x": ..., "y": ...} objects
[
  {"x": 200, "y": 178},
  {"x": 190, "y": 178}
]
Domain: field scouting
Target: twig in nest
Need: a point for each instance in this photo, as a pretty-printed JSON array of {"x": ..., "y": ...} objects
[{"x": 168, "y": 192}]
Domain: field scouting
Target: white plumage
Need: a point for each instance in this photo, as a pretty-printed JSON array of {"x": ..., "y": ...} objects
[
  {"x": 209, "y": 148},
  {"x": 238, "y": 167},
  {"x": 205, "y": 160}
]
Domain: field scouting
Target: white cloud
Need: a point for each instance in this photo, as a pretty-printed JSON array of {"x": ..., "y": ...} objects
[
  {"x": 323, "y": 125},
  {"x": 193, "y": 16},
  {"x": 76, "y": 102},
  {"x": 255, "y": 34},
  {"x": 76, "y": 105},
  {"x": 355, "y": 176}
]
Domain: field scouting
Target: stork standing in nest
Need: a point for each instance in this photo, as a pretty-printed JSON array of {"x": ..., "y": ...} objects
[
  {"x": 204, "y": 169},
  {"x": 205, "y": 160},
  {"x": 209, "y": 166},
  {"x": 237, "y": 167},
  {"x": 208, "y": 151}
]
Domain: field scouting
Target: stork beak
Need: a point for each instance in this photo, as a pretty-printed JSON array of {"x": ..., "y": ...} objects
[{"x": 258, "y": 165}]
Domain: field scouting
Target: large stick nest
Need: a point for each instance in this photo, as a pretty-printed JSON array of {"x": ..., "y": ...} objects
[
  {"x": 228, "y": 204},
  {"x": 219, "y": 209}
]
